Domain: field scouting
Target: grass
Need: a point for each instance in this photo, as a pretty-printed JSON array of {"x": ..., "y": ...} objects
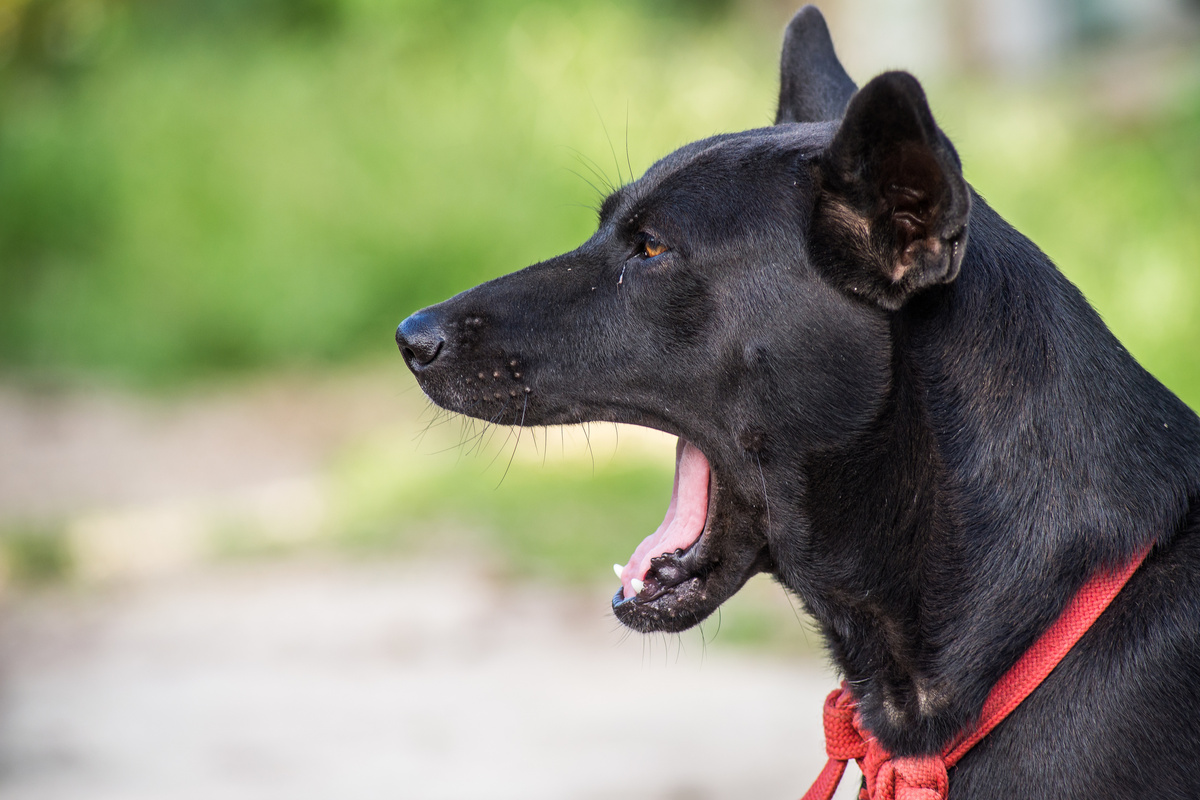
[
  {"x": 34, "y": 556},
  {"x": 190, "y": 204},
  {"x": 195, "y": 189}
]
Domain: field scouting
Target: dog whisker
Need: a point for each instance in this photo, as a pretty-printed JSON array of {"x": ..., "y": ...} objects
[
  {"x": 517, "y": 444},
  {"x": 612, "y": 149},
  {"x": 796, "y": 612},
  {"x": 587, "y": 434},
  {"x": 628, "y": 163},
  {"x": 600, "y": 193},
  {"x": 508, "y": 435},
  {"x": 594, "y": 168},
  {"x": 440, "y": 417},
  {"x": 766, "y": 500},
  {"x": 607, "y": 186},
  {"x": 491, "y": 427}
]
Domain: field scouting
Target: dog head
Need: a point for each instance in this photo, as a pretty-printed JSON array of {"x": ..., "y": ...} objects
[{"x": 738, "y": 295}]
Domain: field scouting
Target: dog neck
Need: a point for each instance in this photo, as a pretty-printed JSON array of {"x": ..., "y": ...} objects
[{"x": 994, "y": 477}]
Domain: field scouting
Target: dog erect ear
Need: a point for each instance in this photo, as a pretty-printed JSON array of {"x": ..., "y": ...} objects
[
  {"x": 891, "y": 218},
  {"x": 813, "y": 86}
]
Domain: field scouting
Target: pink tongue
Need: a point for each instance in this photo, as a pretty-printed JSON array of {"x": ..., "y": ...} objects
[{"x": 685, "y": 517}]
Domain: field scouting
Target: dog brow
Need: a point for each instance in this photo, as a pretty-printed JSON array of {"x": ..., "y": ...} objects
[{"x": 609, "y": 206}]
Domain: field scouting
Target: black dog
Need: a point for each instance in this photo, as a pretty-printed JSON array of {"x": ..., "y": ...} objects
[{"x": 893, "y": 402}]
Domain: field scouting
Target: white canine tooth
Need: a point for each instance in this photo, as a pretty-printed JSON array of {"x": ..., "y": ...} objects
[
  {"x": 637, "y": 585},
  {"x": 617, "y": 569}
]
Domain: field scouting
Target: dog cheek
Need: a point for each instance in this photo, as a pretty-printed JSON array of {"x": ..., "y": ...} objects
[
  {"x": 678, "y": 307},
  {"x": 751, "y": 439}
]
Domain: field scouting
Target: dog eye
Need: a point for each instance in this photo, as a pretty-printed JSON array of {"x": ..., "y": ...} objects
[{"x": 652, "y": 247}]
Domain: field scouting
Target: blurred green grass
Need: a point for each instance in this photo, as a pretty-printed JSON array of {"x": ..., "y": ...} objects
[
  {"x": 33, "y": 556},
  {"x": 200, "y": 188},
  {"x": 193, "y": 203}
]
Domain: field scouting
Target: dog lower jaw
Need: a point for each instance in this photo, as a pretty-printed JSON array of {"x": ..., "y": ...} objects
[
  {"x": 671, "y": 610},
  {"x": 683, "y": 588}
]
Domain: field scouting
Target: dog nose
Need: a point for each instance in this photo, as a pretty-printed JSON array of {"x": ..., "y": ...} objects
[{"x": 420, "y": 340}]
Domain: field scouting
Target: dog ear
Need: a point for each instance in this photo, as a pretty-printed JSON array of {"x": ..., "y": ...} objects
[
  {"x": 813, "y": 86},
  {"x": 891, "y": 218}
]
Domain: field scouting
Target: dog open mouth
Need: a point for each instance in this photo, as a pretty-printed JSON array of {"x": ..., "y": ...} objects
[{"x": 666, "y": 561}]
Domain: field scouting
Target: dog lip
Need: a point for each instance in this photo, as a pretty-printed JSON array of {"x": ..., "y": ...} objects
[
  {"x": 659, "y": 579},
  {"x": 619, "y": 599}
]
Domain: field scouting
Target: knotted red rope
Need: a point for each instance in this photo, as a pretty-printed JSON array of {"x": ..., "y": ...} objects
[{"x": 925, "y": 777}]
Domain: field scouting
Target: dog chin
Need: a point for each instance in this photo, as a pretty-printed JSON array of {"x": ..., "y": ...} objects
[
  {"x": 693, "y": 590},
  {"x": 671, "y": 610}
]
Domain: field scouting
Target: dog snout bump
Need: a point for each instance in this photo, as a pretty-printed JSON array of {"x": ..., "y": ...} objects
[{"x": 420, "y": 339}]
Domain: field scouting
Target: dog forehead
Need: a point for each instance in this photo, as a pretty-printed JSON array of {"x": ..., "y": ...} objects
[
  {"x": 737, "y": 148},
  {"x": 746, "y": 152}
]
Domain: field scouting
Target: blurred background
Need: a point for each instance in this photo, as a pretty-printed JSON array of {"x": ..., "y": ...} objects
[{"x": 240, "y": 556}]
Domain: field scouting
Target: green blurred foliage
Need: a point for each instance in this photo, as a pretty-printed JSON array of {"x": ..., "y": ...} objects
[
  {"x": 35, "y": 556},
  {"x": 267, "y": 189},
  {"x": 191, "y": 187}
]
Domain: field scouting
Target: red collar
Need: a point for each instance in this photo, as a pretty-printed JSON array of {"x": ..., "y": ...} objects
[{"x": 924, "y": 777}]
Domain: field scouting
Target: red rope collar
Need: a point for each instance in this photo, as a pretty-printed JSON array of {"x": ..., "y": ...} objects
[{"x": 924, "y": 777}]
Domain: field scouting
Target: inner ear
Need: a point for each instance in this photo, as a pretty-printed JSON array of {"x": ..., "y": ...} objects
[
  {"x": 893, "y": 211},
  {"x": 912, "y": 185},
  {"x": 813, "y": 85}
]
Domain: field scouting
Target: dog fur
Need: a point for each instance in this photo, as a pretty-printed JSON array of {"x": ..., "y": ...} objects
[{"x": 913, "y": 421}]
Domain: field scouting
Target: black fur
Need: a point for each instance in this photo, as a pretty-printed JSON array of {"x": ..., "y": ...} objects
[
  {"x": 914, "y": 421},
  {"x": 813, "y": 86}
]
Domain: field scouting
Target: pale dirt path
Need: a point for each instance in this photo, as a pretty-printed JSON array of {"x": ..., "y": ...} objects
[
  {"x": 67, "y": 452},
  {"x": 170, "y": 678},
  {"x": 421, "y": 680}
]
